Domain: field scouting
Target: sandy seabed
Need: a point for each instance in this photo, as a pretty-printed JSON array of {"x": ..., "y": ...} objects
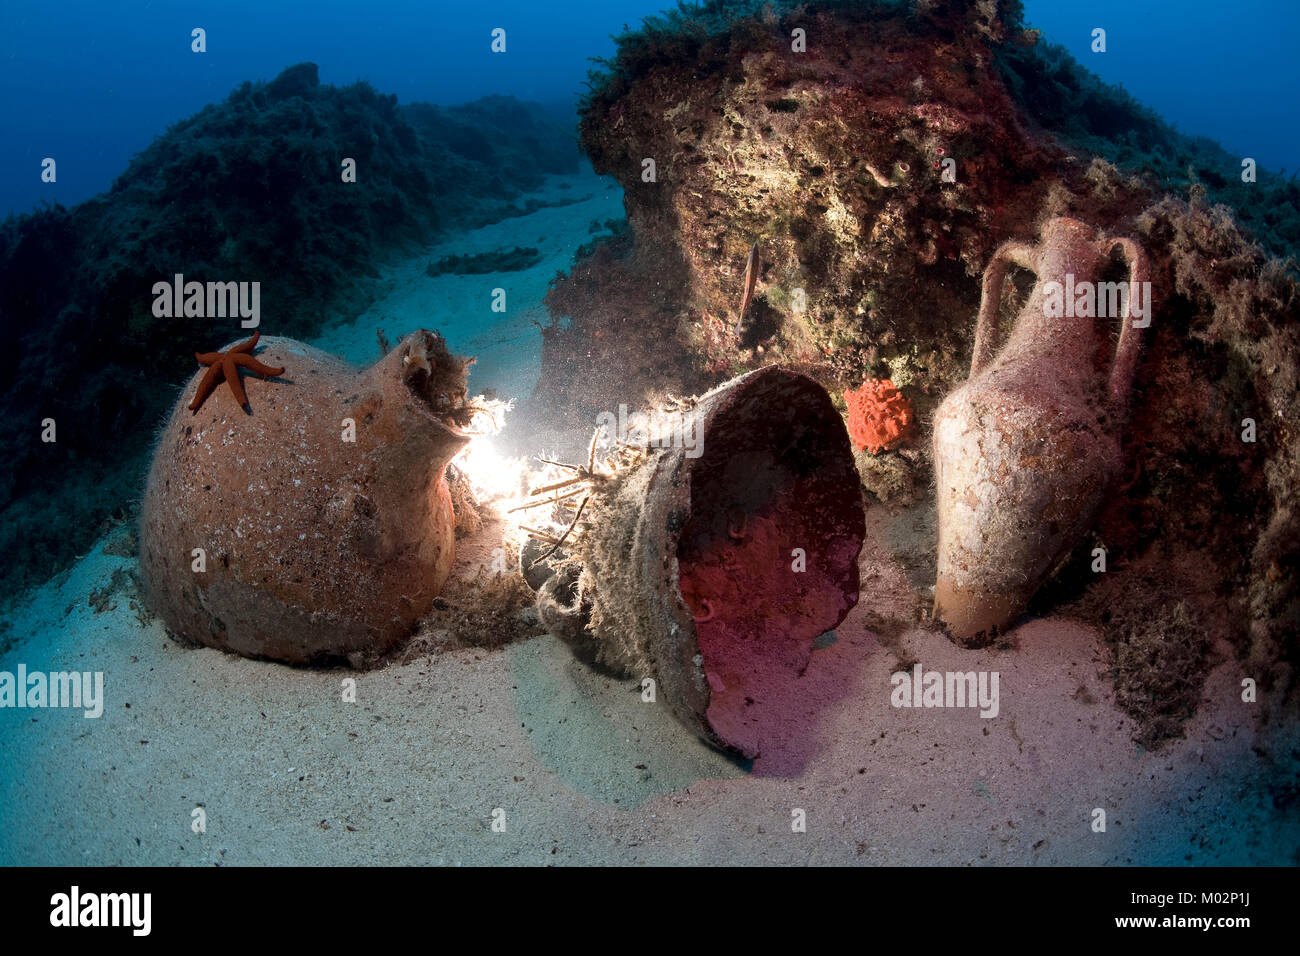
[{"x": 585, "y": 771}]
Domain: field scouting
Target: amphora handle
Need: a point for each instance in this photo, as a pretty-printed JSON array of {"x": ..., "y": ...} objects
[
  {"x": 1026, "y": 256},
  {"x": 986, "y": 330},
  {"x": 1130, "y": 339}
]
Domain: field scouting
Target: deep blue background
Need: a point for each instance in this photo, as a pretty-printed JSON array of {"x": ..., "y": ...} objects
[{"x": 91, "y": 82}]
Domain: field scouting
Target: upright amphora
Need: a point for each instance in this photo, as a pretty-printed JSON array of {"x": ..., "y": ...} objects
[{"x": 1026, "y": 449}]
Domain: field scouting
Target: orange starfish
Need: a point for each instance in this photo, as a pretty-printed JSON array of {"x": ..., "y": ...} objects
[{"x": 226, "y": 365}]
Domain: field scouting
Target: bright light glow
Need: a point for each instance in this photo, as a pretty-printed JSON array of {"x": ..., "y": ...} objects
[
  {"x": 496, "y": 479},
  {"x": 502, "y": 484}
]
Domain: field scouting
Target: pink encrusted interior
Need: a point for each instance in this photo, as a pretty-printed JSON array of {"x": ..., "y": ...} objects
[{"x": 768, "y": 557}]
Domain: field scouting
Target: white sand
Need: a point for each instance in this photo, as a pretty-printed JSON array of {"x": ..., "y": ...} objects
[{"x": 585, "y": 772}]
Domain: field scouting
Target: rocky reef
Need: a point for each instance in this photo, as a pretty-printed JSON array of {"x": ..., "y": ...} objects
[
  {"x": 874, "y": 155},
  {"x": 250, "y": 189}
]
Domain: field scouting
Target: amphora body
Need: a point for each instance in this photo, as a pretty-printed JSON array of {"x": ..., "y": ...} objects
[
  {"x": 1025, "y": 450},
  {"x": 319, "y": 525}
]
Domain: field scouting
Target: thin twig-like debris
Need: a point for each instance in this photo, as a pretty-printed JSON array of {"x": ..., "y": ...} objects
[
  {"x": 559, "y": 464},
  {"x": 556, "y": 486},
  {"x": 751, "y": 277},
  {"x": 590, "y": 481},
  {"x": 567, "y": 532},
  {"x": 527, "y": 505}
]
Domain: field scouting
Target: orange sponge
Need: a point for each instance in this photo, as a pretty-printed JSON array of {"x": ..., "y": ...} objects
[{"x": 880, "y": 416}]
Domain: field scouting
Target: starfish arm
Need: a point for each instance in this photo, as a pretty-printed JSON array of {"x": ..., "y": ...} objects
[
  {"x": 247, "y": 347},
  {"x": 231, "y": 371},
  {"x": 226, "y": 365},
  {"x": 256, "y": 367},
  {"x": 206, "y": 384}
]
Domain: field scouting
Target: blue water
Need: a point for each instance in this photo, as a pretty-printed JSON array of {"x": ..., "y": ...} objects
[
  {"x": 92, "y": 82},
  {"x": 1228, "y": 71}
]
